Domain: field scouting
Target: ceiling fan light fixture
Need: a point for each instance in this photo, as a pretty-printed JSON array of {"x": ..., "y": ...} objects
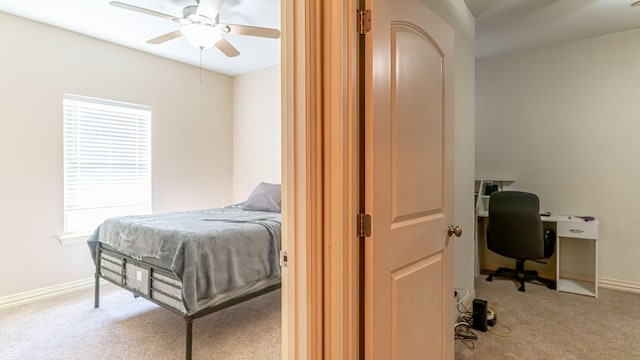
[{"x": 201, "y": 36}]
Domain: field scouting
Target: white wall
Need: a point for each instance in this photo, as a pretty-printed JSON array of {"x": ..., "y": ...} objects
[
  {"x": 456, "y": 13},
  {"x": 191, "y": 140},
  {"x": 564, "y": 122},
  {"x": 256, "y": 130}
]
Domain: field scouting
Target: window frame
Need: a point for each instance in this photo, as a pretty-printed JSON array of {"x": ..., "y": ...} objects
[{"x": 112, "y": 140}]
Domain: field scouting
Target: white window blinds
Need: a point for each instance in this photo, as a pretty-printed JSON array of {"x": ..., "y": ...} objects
[{"x": 107, "y": 161}]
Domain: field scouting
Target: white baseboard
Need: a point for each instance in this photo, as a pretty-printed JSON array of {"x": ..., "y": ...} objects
[
  {"x": 43, "y": 293},
  {"x": 73, "y": 239},
  {"x": 620, "y": 285}
]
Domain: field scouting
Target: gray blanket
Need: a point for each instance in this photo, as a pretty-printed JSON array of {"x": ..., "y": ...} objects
[{"x": 211, "y": 251}]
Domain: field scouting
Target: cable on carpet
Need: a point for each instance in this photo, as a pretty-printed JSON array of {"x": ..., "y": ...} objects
[
  {"x": 506, "y": 333},
  {"x": 464, "y": 314},
  {"x": 464, "y": 333},
  {"x": 463, "y": 329}
]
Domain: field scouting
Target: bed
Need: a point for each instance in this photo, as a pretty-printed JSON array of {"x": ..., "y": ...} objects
[{"x": 194, "y": 263}]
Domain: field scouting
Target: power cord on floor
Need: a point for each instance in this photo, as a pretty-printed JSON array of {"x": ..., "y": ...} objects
[
  {"x": 500, "y": 324},
  {"x": 463, "y": 328},
  {"x": 465, "y": 335}
]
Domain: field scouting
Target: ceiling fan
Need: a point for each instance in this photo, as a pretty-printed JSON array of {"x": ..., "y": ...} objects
[{"x": 201, "y": 26}]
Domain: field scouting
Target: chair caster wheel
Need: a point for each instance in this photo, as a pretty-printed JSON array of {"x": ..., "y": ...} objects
[
  {"x": 521, "y": 288},
  {"x": 489, "y": 278}
]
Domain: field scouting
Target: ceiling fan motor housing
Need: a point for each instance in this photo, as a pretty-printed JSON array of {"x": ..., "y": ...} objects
[
  {"x": 190, "y": 16},
  {"x": 189, "y": 10}
]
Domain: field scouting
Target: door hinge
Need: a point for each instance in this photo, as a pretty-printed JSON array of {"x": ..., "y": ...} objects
[
  {"x": 364, "y": 225},
  {"x": 284, "y": 258},
  {"x": 364, "y": 21}
]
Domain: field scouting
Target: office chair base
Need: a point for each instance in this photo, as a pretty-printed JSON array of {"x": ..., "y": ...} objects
[{"x": 521, "y": 275}]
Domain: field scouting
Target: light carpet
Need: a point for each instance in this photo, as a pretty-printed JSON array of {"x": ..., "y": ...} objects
[
  {"x": 123, "y": 327},
  {"x": 542, "y": 324},
  {"x": 545, "y": 324}
]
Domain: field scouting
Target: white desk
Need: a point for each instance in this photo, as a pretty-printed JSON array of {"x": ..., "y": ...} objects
[{"x": 571, "y": 230}]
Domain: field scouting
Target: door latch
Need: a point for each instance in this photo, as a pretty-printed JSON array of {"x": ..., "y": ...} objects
[{"x": 284, "y": 258}]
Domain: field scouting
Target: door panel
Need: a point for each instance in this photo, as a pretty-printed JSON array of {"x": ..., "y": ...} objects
[
  {"x": 408, "y": 326},
  {"x": 408, "y": 181},
  {"x": 416, "y": 90}
]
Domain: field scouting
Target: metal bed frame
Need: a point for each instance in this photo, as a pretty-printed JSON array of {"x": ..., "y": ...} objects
[{"x": 157, "y": 285}]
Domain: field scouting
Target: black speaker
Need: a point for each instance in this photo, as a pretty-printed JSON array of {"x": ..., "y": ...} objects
[
  {"x": 479, "y": 314},
  {"x": 549, "y": 243},
  {"x": 490, "y": 189}
]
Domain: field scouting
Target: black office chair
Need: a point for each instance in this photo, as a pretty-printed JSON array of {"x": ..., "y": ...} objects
[{"x": 515, "y": 231}]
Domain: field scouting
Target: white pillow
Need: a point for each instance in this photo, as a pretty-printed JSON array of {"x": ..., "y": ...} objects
[{"x": 265, "y": 197}]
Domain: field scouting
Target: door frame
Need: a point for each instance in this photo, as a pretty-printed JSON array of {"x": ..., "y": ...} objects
[{"x": 321, "y": 180}]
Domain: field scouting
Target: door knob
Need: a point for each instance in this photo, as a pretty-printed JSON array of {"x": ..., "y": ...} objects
[{"x": 457, "y": 231}]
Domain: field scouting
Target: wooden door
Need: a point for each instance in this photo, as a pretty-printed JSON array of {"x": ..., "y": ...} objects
[{"x": 409, "y": 298}]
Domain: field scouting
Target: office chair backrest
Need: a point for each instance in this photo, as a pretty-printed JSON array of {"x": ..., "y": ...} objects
[{"x": 515, "y": 228}]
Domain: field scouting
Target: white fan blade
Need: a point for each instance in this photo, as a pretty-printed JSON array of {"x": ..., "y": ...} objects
[
  {"x": 143, "y": 10},
  {"x": 209, "y": 8},
  {"x": 249, "y": 30},
  {"x": 227, "y": 48},
  {"x": 164, "y": 38}
]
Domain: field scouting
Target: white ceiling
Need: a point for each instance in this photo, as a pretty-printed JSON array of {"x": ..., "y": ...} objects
[
  {"x": 98, "y": 19},
  {"x": 504, "y": 26}
]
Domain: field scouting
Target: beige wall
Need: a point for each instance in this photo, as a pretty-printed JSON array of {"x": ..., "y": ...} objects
[
  {"x": 564, "y": 122},
  {"x": 191, "y": 140},
  {"x": 256, "y": 130}
]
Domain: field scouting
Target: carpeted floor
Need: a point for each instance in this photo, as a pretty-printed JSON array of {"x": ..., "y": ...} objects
[
  {"x": 123, "y": 327},
  {"x": 537, "y": 324},
  {"x": 544, "y": 324}
]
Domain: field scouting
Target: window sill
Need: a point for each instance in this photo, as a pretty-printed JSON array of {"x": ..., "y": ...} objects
[{"x": 73, "y": 238}]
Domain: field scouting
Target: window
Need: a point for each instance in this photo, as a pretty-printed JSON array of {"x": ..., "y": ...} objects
[{"x": 107, "y": 161}]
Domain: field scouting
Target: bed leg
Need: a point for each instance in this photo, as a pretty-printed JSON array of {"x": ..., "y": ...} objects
[
  {"x": 96, "y": 302},
  {"x": 189, "y": 340}
]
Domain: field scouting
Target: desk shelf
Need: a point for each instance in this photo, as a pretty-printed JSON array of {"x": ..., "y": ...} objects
[
  {"x": 482, "y": 199},
  {"x": 576, "y": 286},
  {"x": 581, "y": 234}
]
